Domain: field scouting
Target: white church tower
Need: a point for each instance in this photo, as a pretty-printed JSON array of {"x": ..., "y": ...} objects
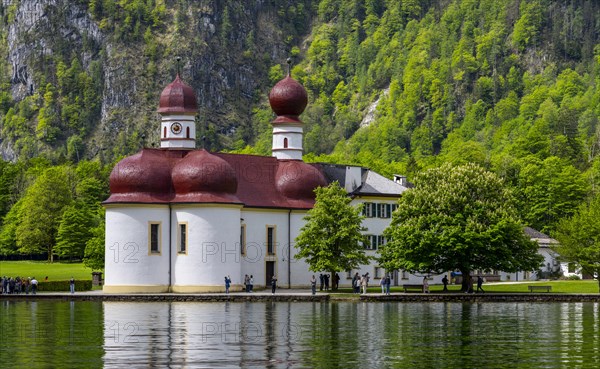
[
  {"x": 178, "y": 110},
  {"x": 288, "y": 99}
]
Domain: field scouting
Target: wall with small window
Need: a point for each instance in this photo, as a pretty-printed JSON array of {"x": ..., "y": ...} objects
[{"x": 136, "y": 258}]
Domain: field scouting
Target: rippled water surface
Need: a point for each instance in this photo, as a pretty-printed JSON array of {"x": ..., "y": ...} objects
[{"x": 47, "y": 334}]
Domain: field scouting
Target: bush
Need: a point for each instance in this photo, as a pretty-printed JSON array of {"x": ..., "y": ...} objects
[{"x": 63, "y": 286}]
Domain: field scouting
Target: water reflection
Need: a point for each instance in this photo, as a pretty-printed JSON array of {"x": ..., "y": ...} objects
[{"x": 299, "y": 334}]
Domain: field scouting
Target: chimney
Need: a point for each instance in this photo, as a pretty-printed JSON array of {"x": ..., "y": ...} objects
[{"x": 400, "y": 179}]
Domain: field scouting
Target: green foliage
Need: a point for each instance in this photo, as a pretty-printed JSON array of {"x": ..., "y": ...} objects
[
  {"x": 457, "y": 218},
  {"x": 41, "y": 212},
  {"x": 64, "y": 286},
  {"x": 74, "y": 231},
  {"x": 331, "y": 240},
  {"x": 579, "y": 237},
  {"x": 94, "y": 249}
]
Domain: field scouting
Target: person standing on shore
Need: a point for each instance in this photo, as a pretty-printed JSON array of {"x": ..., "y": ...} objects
[
  {"x": 72, "y": 285},
  {"x": 480, "y": 284},
  {"x": 227, "y": 284},
  {"x": 425, "y": 285},
  {"x": 388, "y": 282},
  {"x": 273, "y": 285},
  {"x": 445, "y": 282},
  {"x": 34, "y": 284},
  {"x": 313, "y": 284}
]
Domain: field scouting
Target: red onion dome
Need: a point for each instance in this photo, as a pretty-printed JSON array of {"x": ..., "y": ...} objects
[
  {"x": 143, "y": 177},
  {"x": 178, "y": 97},
  {"x": 297, "y": 180},
  {"x": 288, "y": 99},
  {"x": 203, "y": 177}
]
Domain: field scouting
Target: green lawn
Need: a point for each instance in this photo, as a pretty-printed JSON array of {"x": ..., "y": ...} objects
[
  {"x": 587, "y": 286},
  {"x": 41, "y": 269}
]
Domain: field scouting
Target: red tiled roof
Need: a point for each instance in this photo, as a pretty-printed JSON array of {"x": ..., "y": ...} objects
[{"x": 181, "y": 176}]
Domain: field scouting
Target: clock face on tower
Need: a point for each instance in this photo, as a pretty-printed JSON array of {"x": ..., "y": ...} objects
[{"x": 176, "y": 128}]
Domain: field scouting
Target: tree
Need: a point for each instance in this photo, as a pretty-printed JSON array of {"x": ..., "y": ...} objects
[
  {"x": 579, "y": 238},
  {"x": 457, "y": 218},
  {"x": 74, "y": 231},
  {"x": 41, "y": 212},
  {"x": 331, "y": 240},
  {"x": 94, "y": 249}
]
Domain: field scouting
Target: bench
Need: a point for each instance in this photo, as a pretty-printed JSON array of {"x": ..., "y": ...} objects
[
  {"x": 540, "y": 288},
  {"x": 418, "y": 287}
]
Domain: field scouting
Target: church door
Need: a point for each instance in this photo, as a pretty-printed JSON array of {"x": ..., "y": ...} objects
[{"x": 270, "y": 272}]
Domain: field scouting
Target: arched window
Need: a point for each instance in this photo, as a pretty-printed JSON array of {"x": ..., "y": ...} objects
[
  {"x": 285, "y": 143},
  {"x": 165, "y": 132},
  {"x": 187, "y": 132}
]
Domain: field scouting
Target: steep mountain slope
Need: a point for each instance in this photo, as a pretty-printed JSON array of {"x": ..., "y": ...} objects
[{"x": 81, "y": 78}]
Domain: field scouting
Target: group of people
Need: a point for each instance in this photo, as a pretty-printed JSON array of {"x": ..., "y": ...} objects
[
  {"x": 18, "y": 285},
  {"x": 324, "y": 280},
  {"x": 360, "y": 283},
  {"x": 248, "y": 283},
  {"x": 385, "y": 283}
]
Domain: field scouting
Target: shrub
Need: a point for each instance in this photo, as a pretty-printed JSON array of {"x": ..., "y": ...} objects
[{"x": 63, "y": 286}]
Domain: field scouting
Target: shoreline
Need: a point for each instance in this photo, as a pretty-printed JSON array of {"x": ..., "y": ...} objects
[{"x": 302, "y": 296}]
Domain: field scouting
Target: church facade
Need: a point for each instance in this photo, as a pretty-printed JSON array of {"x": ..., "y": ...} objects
[{"x": 180, "y": 219}]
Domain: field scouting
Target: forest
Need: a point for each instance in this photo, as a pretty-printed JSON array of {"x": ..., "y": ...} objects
[{"x": 399, "y": 86}]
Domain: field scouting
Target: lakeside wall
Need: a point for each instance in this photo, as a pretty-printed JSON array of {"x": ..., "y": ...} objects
[{"x": 403, "y": 297}]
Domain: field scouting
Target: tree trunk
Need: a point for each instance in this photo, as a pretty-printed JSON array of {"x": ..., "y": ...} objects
[{"x": 467, "y": 281}]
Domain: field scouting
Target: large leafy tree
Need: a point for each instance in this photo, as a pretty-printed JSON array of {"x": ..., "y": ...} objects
[
  {"x": 457, "y": 218},
  {"x": 74, "y": 231},
  {"x": 41, "y": 212},
  {"x": 579, "y": 238},
  {"x": 331, "y": 240}
]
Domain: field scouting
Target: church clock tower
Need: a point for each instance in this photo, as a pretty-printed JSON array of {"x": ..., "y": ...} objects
[{"x": 178, "y": 110}]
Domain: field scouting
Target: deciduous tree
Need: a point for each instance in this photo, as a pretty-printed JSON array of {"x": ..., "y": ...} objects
[
  {"x": 457, "y": 218},
  {"x": 331, "y": 240},
  {"x": 579, "y": 238}
]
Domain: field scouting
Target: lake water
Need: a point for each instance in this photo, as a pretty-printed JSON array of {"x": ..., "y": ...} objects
[{"x": 47, "y": 334}]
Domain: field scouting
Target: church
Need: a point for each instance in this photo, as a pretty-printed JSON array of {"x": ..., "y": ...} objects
[{"x": 180, "y": 219}]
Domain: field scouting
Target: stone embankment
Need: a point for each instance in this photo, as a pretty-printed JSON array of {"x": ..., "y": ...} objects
[{"x": 301, "y": 296}]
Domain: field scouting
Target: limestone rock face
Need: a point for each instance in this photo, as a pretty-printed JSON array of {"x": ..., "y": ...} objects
[{"x": 226, "y": 50}]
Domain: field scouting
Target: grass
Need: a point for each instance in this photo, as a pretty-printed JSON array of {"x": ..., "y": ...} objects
[
  {"x": 41, "y": 269},
  {"x": 587, "y": 286}
]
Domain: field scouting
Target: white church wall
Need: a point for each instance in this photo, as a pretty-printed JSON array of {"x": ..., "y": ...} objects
[
  {"x": 212, "y": 250},
  {"x": 254, "y": 261},
  {"x": 129, "y": 265}
]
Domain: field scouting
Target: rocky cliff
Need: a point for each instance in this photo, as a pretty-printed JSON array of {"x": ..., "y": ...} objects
[{"x": 81, "y": 78}]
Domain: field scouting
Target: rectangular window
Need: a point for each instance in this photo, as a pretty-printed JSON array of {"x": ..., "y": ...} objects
[
  {"x": 182, "y": 238},
  {"x": 270, "y": 240},
  {"x": 243, "y": 239},
  {"x": 154, "y": 237},
  {"x": 377, "y": 272},
  {"x": 404, "y": 274},
  {"x": 368, "y": 209},
  {"x": 348, "y": 274},
  {"x": 393, "y": 208}
]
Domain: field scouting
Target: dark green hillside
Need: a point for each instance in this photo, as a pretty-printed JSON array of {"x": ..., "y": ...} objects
[
  {"x": 397, "y": 85},
  {"x": 511, "y": 85}
]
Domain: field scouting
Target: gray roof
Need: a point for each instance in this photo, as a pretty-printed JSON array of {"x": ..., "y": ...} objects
[{"x": 360, "y": 181}]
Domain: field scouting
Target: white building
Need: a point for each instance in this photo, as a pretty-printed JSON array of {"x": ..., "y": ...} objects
[{"x": 181, "y": 219}]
